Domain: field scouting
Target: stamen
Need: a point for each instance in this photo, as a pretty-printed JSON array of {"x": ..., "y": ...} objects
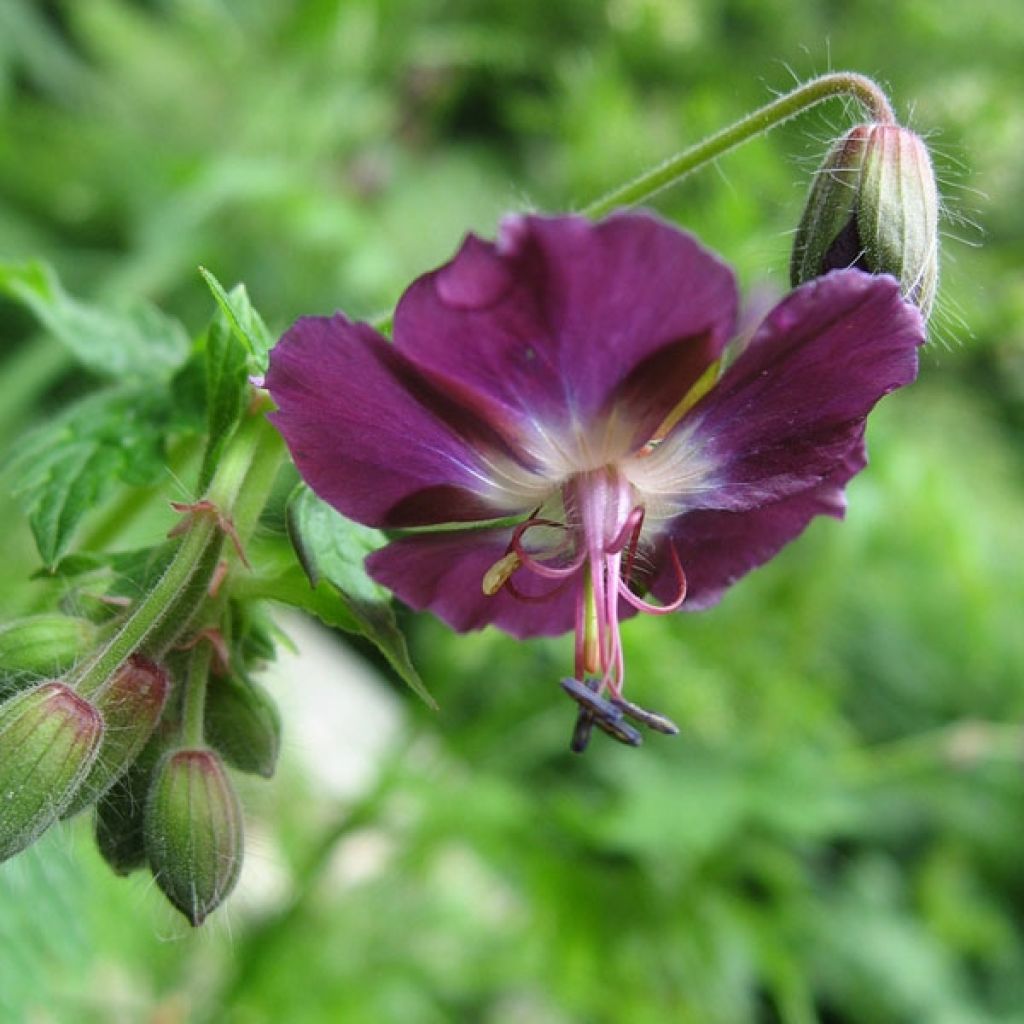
[
  {"x": 550, "y": 572},
  {"x": 700, "y": 388},
  {"x": 637, "y": 519},
  {"x": 586, "y": 695},
  {"x": 630, "y": 531},
  {"x": 500, "y": 573},
  {"x": 581, "y": 732},
  {"x": 516, "y": 557},
  {"x": 659, "y": 723},
  {"x": 653, "y": 609},
  {"x": 595, "y": 710},
  {"x": 590, "y": 643},
  {"x": 621, "y": 731}
]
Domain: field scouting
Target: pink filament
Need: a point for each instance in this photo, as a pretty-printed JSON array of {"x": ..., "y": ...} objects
[{"x": 605, "y": 535}]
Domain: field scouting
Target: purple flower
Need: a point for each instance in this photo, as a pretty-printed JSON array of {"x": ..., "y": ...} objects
[{"x": 564, "y": 378}]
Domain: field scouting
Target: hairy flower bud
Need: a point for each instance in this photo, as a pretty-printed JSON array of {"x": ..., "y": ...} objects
[
  {"x": 874, "y": 205},
  {"x": 120, "y": 812},
  {"x": 119, "y": 823},
  {"x": 41, "y": 646},
  {"x": 243, "y": 724},
  {"x": 131, "y": 705},
  {"x": 193, "y": 826},
  {"x": 49, "y": 738}
]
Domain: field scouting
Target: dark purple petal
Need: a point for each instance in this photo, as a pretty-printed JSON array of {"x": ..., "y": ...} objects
[
  {"x": 784, "y": 416},
  {"x": 546, "y": 325},
  {"x": 717, "y": 547},
  {"x": 371, "y": 437},
  {"x": 444, "y": 572}
]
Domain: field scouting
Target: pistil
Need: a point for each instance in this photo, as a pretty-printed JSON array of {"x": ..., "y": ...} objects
[{"x": 600, "y": 537}]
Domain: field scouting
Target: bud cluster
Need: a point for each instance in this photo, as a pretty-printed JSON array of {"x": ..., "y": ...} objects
[{"x": 163, "y": 797}]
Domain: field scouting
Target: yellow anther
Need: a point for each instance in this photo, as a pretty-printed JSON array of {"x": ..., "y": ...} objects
[{"x": 499, "y": 574}]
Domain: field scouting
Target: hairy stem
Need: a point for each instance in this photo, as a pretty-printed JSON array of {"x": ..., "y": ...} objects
[
  {"x": 194, "y": 708},
  {"x": 187, "y": 565},
  {"x": 803, "y": 97}
]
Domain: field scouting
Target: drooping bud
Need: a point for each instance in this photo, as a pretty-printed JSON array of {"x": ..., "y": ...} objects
[
  {"x": 243, "y": 724},
  {"x": 131, "y": 705},
  {"x": 874, "y": 205},
  {"x": 119, "y": 822},
  {"x": 42, "y": 646},
  {"x": 193, "y": 826},
  {"x": 49, "y": 738},
  {"x": 120, "y": 812}
]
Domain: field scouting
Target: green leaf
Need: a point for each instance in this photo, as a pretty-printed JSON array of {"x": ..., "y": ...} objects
[
  {"x": 63, "y": 469},
  {"x": 332, "y": 549},
  {"x": 278, "y": 576},
  {"x": 245, "y": 321},
  {"x": 137, "y": 343},
  {"x": 227, "y": 383}
]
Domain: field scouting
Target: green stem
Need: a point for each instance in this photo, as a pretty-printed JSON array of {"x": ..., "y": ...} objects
[
  {"x": 266, "y": 462},
  {"x": 226, "y": 486},
  {"x": 152, "y": 611},
  {"x": 188, "y": 604},
  {"x": 194, "y": 710},
  {"x": 839, "y": 83},
  {"x": 191, "y": 602},
  {"x": 148, "y": 615}
]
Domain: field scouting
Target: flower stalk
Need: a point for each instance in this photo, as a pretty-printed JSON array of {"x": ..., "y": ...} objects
[
  {"x": 194, "y": 710},
  {"x": 193, "y": 565},
  {"x": 803, "y": 97}
]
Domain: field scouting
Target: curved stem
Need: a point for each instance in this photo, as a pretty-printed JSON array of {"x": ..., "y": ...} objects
[
  {"x": 188, "y": 559},
  {"x": 809, "y": 94}
]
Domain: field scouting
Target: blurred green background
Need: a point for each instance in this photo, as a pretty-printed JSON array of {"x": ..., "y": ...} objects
[{"x": 838, "y": 834}]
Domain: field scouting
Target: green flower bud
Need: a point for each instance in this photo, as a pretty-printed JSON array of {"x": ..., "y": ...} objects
[
  {"x": 42, "y": 646},
  {"x": 120, "y": 812},
  {"x": 131, "y": 705},
  {"x": 119, "y": 824},
  {"x": 193, "y": 826},
  {"x": 49, "y": 738},
  {"x": 242, "y": 722},
  {"x": 874, "y": 205}
]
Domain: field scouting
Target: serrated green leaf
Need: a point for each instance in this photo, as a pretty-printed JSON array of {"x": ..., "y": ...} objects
[
  {"x": 137, "y": 343},
  {"x": 332, "y": 549},
  {"x": 226, "y": 370},
  {"x": 245, "y": 321},
  {"x": 65, "y": 468}
]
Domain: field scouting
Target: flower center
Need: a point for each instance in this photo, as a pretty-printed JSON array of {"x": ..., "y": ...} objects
[
  {"x": 609, "y": 521},
  {"x": 599, "y": 538}
]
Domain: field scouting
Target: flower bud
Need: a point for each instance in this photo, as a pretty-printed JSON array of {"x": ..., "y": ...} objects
[
  {"x": 41, "y": 646},
  {"x": 243, "y": 724},
  {"x": 193, "y": 826},
  {"x": 120, "y": 812},
  {"x": 119, "y": 822},
  {"x": 49, "y": 738},
  {"x": 874, "y": 205},
  {"x": 131, "y": 705}
]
